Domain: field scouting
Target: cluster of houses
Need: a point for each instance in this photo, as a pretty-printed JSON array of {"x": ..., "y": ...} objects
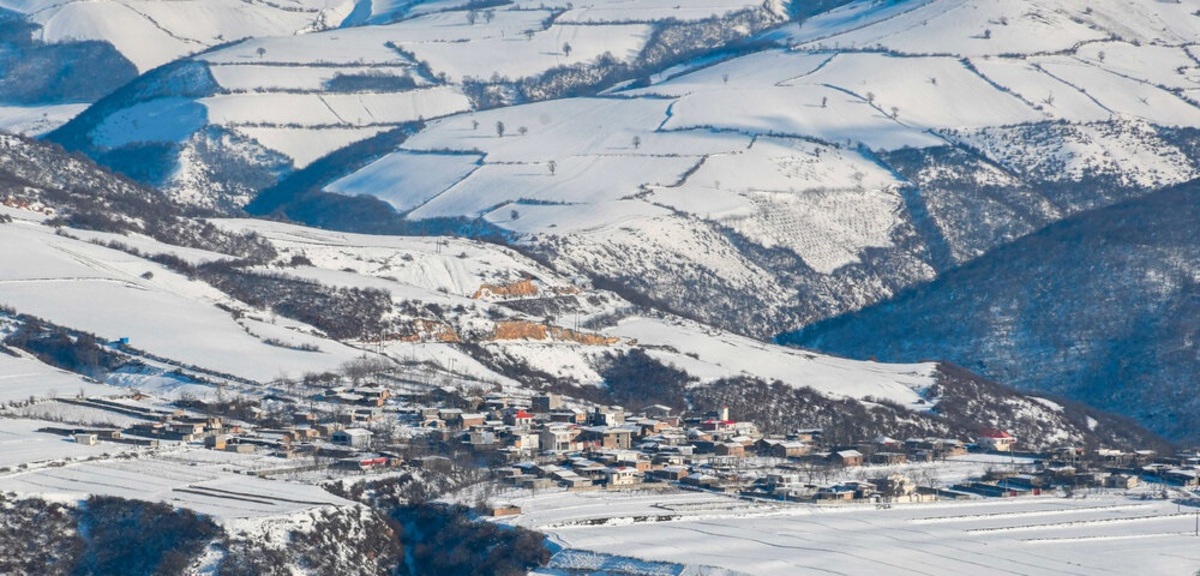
[{"x": 543, "y": 442}]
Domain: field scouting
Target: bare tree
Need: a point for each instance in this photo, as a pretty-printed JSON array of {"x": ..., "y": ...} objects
[
  {"x": 553, "y": 166},
  {"x": 522, "y": 130},
  {"x": 637, "y": 142},
  {"x": 500, "y": 129},
  {"x": 566, "y": 49}
]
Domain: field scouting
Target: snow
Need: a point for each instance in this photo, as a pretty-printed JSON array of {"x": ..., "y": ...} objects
[
  {"x": 360, "y": 47},
  {"x": 151, "y": 33},
  {"x": 23, "y": 377},
  {"x": 1055, "y": 406},
  {"x": 576, "y": 179},
  {"x": 958, "y": 99},
  {"x": 721, "y": 355},
  {"x": 206, "y": 489},
  {"x": 437, "y": 266},
  {"x": 562, "y": 128},
  {"x": 20, "y": 443},
  {"x": 1121, "y": 95},
  {"x": 257, "y": 77},
  {"x": 334, "y": 109},
  {"x": 406, "y": 180},
  {"x": 37, "y": 120},
  {"x": 590, "y": 141},
  {"x": 306, "y": 145},
  {"x": 825, "y": 204},
  {"x": 102, "y": 291},
  {"x": 569, "y": 219},
  {"x": 150, "y": 246},
  {"x": 1164, "y": 66},
  {"x": 162, "y": 120},
  {"x": 973, "y": 27},
  {"x": 65, "y": 414},
  {"x": 1055, "y": 97},
  {"x": 1128, "y": 151},
  {"x": 796, "y": 110},
  {"x": 307, "y": 126},
  {"x": 516, "y": 56},
  {"x": 1031, "y": 535},
  {"x": 751, "y": 72},
  {"x": 652, "y": 10}
]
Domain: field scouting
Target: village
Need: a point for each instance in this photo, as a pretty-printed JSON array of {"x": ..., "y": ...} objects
[{"x": 545, "y": 442}]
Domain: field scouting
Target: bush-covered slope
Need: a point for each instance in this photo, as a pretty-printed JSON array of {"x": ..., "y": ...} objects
[{"x": 1102, "y": 307}]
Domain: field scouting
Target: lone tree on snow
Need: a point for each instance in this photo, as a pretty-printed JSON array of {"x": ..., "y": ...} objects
[
  {"x": 500, "y": 129},
  {"x": 567, "y": 49},
  {"x": 553, "y": 166}
]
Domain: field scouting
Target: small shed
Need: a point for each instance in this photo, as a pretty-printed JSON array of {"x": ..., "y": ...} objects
[
  {"x": 352, "y": 437},
  {"x": 86, "y": 438},
  {"x": 505, "y": 509},
  {"x": 848, "y": 457}
]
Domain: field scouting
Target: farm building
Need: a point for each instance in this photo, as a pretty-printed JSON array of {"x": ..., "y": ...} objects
[
  {"x": 996, "y": 440},
  {"x": 352, "y": 437}
]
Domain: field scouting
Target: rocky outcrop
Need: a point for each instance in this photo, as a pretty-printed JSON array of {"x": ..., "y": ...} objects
[
  {"x": 518, "y": 289},
  {"x": 522, "y": 330}
]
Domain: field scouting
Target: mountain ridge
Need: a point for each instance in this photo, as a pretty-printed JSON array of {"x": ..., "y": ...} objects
[{"x": 1120, "y": 340}]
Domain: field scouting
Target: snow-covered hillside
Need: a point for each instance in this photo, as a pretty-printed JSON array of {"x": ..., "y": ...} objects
[
  {"x": 790, "y": 169},
  {"x": 762, "y": 174},
  {"x": 254, "y": 302},
  {"x": 707, "y": 534},
  {"x": 150, "y": 33},
  {"x": 296, "y": 98}
]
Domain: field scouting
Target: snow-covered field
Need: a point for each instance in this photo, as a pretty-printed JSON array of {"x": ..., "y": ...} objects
[
  {"x": 23, "y": 377},
  {"x": 22, "y": 444},
  {"x": 188, "y": 483},
  {"x": 1099, "y": 534},
  {"x": 37, "y": 120},
  {"x": 152, "y": 33},
  {"x": 721, "y": 355},
  {"x": 105, "y": 292}
]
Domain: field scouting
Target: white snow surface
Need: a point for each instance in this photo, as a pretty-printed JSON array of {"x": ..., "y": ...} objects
[
  {"x": 1032, "y": 536},
  {"x": 37, "y": 120},
  {"x": 21, "y": 443},
  {"x": 711, "y": 354},
  {"x": 205, "y": 487},
  {"x": 151, "y": 33},
  {"x": 23, "y": 376},
  {"x": 102, "y": 291}
]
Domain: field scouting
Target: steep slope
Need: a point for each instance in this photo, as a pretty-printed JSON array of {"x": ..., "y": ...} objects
[
  {"x": 150, "y": 33},
  {"x": 1101, "y": 307},
  {"x": 251, "y": 111},
  {"x": 889, "y": 143}
]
